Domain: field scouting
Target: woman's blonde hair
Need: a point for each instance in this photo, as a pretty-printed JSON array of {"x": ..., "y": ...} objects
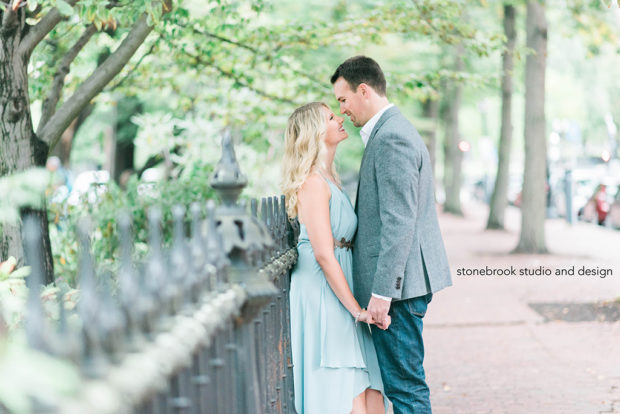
[{"x": 303, "y": 150}]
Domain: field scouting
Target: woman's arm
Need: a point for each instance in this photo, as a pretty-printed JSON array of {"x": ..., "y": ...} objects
[{"x": 313, "y": 211}]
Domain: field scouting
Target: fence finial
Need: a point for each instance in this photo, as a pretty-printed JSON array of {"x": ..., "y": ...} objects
[{"x": 227, "y": 179}]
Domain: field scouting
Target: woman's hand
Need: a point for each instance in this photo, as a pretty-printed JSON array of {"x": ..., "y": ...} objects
[
  {"x": 367, "y": 318},
  {"x": 386, "y": 323}
]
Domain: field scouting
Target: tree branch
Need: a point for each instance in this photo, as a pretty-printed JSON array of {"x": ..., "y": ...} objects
[
  {"x": 9, "y": 17},
  {"x": 252, "y": 88},
  {"x": 120, "y": 82},
  {"x": 41, "y": 29},
  {"x": 225, "y": 40},
  {"x": 95, "y": 83},
  {"x": 51, "y": 101},
  {"x": 238, "y": 80},
  {"x": 255, "y": 51},
  {"x": 428, "y": 19}
]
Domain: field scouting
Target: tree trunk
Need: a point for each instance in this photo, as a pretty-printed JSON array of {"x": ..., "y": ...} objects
[
  {"x": 123, "y": 160},
  {"x": 533, "y": 208},
  {"x": 63, "y": 149},
  {"x": 125, "y": 133},
  {"x": 499, "y": 199},
  {"x": 20, "y": 147},
  {"x": 453, "y": 155}
]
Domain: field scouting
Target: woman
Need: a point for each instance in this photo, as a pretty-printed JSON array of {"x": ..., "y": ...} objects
[{"x": 335, "y": 366}]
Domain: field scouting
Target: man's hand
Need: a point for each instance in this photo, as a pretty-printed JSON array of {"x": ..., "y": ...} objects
[{"x": 378, "y": 309}]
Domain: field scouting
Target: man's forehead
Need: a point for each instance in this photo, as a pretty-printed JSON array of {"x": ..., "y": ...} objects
[{"x": 341, "y": 88}]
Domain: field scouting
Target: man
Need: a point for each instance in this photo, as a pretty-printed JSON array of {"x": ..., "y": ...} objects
[{"x": 399, "y": 259}]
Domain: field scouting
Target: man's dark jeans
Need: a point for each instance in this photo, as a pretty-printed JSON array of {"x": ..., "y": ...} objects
[{"x": 400, "y": 351}]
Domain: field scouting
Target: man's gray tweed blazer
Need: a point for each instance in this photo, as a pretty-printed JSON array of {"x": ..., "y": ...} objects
[{"x": 398, "y": 251}]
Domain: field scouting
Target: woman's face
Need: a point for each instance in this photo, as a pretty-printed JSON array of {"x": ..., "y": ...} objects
[{"x": 335, "y": 131}]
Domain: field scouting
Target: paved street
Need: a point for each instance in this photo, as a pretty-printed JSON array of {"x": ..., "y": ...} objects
[{"x": 487, "y": 351}]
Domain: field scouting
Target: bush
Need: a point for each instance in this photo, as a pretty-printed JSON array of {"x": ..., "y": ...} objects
[{"x": 103, "y": 211}]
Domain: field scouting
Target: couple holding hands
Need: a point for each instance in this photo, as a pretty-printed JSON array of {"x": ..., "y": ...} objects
[{"x": 386, "y": 253}]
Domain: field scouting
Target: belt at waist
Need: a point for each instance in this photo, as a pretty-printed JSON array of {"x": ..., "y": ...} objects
[{"x": 343, "y": 244}]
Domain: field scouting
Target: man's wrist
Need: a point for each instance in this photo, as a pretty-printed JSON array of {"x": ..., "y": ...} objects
[{"x": 382, "y": 297}]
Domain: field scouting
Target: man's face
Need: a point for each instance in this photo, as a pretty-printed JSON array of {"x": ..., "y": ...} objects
[{"x": 351, "y": 102}]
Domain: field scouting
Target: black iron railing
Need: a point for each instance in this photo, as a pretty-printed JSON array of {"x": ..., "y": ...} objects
[{"x": 201, "y": 327}]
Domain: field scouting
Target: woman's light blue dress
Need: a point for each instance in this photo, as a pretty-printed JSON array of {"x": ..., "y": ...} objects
[{"x": 333, "y": 360}]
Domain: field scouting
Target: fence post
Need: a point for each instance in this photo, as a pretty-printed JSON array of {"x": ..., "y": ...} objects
[{"x": 243, "y": 238}]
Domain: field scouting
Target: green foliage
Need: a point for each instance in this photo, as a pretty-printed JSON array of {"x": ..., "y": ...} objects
[
  {"x": 594, "y": 22},
  {"x": 24, "y": 189},
  {"x": 248, "y": 64},
  {"x": 7, "y": 270},
  {"x": 25, "y": 372},
  {"x": 241, "y": 55},
  {"x": 103, "y": 211},
  {"x": 113, "y": 19},
  {"x": 13, "y": 296},
  {"x": 64, "y": 8}
]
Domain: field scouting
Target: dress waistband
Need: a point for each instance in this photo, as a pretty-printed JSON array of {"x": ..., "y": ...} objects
[{"x": 344, "y": 244}]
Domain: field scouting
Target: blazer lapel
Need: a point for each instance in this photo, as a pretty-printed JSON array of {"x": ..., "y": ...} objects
[{"x": 386, "y": 115}]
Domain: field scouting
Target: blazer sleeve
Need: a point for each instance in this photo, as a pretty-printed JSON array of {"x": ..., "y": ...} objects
[{"x": 397, "y": 170}]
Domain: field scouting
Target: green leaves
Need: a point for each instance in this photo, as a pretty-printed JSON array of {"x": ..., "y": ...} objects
[
  {"x": 32, "y": 5},
  {"x": 21, "y": 190},
  {"x": 7, "y": 270},
  {"x": 25, "y": 372},
  {"x": 154, "y": 12},
  {"x": 64, "y": 8},
  {"x": 7, "y": 267}
]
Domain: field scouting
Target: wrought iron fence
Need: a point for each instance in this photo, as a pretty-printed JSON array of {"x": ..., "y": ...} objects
[{"x": 201, "y": 327}]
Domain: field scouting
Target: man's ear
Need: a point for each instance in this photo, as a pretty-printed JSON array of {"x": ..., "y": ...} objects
[{"x": 363, "y": 88}]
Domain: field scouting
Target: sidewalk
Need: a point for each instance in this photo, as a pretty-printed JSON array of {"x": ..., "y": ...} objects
[{"x": 487, "y": 351}]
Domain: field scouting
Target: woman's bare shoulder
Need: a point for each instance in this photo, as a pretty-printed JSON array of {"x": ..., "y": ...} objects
[
  {"x": 314, "y": 184},
  {"x": 313, "y": 193}
]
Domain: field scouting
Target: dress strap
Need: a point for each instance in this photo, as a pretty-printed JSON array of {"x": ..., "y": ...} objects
[
  {"x": 321, "y": 174},
  {"x": 329, "y": 181}
]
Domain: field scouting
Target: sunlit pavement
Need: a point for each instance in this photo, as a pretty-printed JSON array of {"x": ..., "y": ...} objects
[{"x": 487, "y": 351}]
